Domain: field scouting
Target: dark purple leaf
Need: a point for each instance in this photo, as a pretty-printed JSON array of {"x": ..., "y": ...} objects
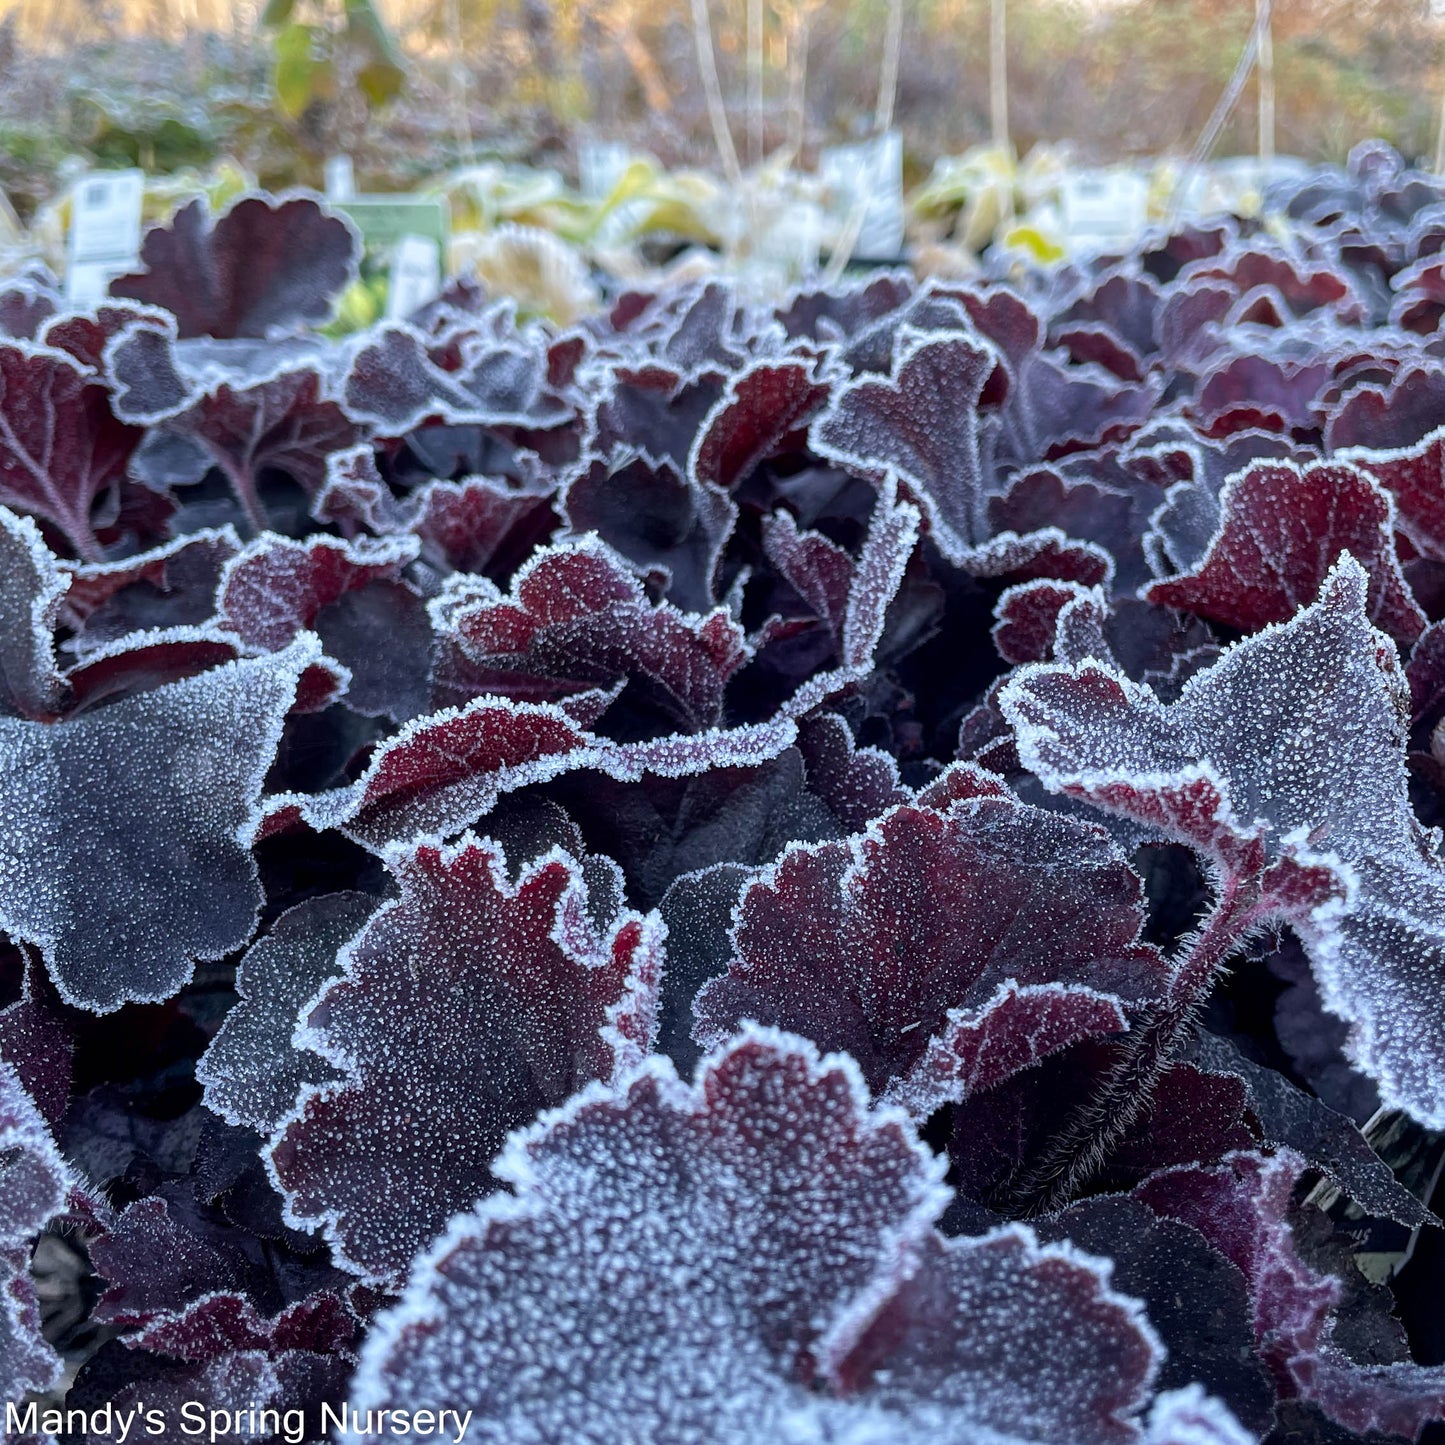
[
  {"x": 1282, "y": 528},
  {"x": 1242, "y": 1207},
  {"x": 61, "y": 450},
  {"x": 943, "y": 950},
  {"x": 551, "y": 998},
  {"x": 265, "y": 267},
  {"x": 125, "y": 831}
]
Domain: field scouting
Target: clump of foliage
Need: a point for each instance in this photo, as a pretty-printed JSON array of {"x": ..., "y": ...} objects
[{"x": 834, "y": 871}]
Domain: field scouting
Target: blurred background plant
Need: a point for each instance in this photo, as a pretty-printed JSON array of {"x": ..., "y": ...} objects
[{"x": 709, "y": 116}]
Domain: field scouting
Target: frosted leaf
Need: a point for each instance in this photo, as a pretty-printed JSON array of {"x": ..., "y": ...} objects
[
  {"x": 656, "y": 517},
  {"x": 922, "y": 422},
  {"x": 34, "y": 1180},
  {"x": 443, "y": 772},
  {"x": 61, "y": 449},
  {"x": 1282, "y": 527},
  {"x": 751, "y": 1259},
  {"x": 1393, "y": 415},
  {"x": 154, "y": 1267},
  {"x": 1242, "y": 1207},
  {"x": 655, "y": 404},
  {"x": 678, "y": 1263},
  {"x": 1290, "y": 745},
  {"x": 395, "y": 383},
  {"x": 31, "y": 590},
  {"x": 856, "y": 784},
  {"x": 1045, "y": 553},
  {"x": 36, "y": 1040},
  {"x": 161, "y": 788},
  {"x": 1026, "y": 617},
  {"x": 1003, "y": 1334},
  {"x": 478, "y": 524},
  {"x": 872, "y": 588},
  {"x": 462, "y": 1009},
  {"x": 1415, "y": 477},
  {"x": 1196, "y": 1300},
  {"x": 761, "y": 408},
  {"x": 944, "y": 950},
  {"x": 143, "y": 661},
  {"x": 275, "y": 588},
  {"x": 173, "y": 585},
  {"x": 85, "y": 335},
  {"x": 244, "y": 423},
  {"x": 34, "y": 1185},
  {"x": 219, "y": 1324},
  {"x": 1190, "y": 1417},
  {"x": 817, "y": 569},
  {"x": 576, "y": 619},
  {"x": 267, "y": 266},
  {"x": 251, "y": 1073}
]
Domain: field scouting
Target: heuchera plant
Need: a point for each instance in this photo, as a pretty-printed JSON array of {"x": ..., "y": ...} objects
[{"x": 863, "y": 869}]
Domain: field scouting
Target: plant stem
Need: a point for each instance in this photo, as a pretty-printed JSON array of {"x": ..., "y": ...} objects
[{"x": 1096, "y": 1129}]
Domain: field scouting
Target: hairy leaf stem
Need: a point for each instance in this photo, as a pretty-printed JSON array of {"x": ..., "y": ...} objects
[{"x": 1076, "y": 1153}]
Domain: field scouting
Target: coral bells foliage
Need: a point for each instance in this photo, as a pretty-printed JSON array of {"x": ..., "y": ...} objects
[{"x": 859, "y": 869}]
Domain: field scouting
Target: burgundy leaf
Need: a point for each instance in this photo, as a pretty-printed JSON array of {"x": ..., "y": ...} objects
[
  {"x": 1027, "y": 614},
  {"x": 1415, "y": 476},
  {"x": 943, "y": 950},
  {"x": 264, "y": 268},
  {"x": 85, "y": 335},
  {"x": 921, "y": 421},
  {"x": 1242, "y": 1207},
  {"x": 938, "y": 1347},
  {"x": 1290, "y": 744},
  {"x": 443, "y": 772},
  {"x": 124, "y": 832},
  {"x": 1282, "y": 528},
  {"x": 552, "y": 998},
  {"x": 395, "y": 382},
  {"x": 477, "y": 524},
  {"x": 656, "y": 517},
  {"x": 61, "y": 449},
  {"x": 760, "y": 410},
  {"x": 275, "y": 588},
  {"x": 578, "y": 619},
  {"x": 1394, "y": 415}
]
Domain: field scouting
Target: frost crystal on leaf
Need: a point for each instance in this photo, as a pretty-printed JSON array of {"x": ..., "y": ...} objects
[
  {"x": 1282, "y": 528},
  {"x": 463, "y": 1009},
  {"x": 1288, "y": 756},
  {"x": 251, "y": 1073},
  {"x": 751, "y": 1259},
  {"x": 125, "y": 831},
  {"x": 944, "y": 950},
  {"x": 922, "y": 422},
  {"x": 34, "y": 1183}
]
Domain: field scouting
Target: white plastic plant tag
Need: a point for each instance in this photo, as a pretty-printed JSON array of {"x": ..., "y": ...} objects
[
  {"x": 1104, "y": 208},
  {"x": 87, "y": 283},
  {"x": 416, "y": 276},
  {"x": 105, "y": 222},
  {"x": 340, "y": 179}
]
